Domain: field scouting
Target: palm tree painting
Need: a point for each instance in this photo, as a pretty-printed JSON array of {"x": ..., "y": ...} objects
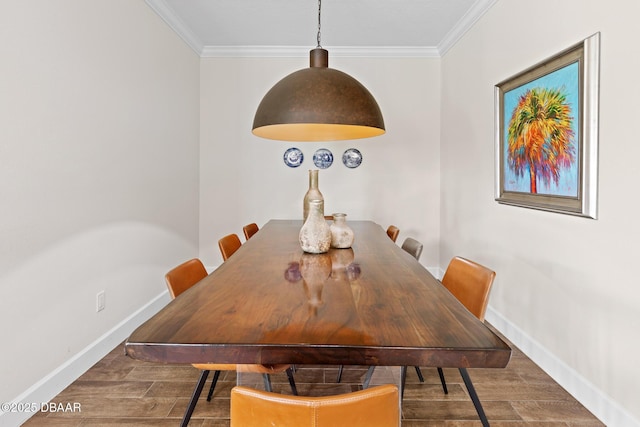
[{"x": 541, "y": 135}]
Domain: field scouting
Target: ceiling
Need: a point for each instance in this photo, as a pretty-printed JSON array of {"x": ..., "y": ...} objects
[{"x": 348, "y": 27}]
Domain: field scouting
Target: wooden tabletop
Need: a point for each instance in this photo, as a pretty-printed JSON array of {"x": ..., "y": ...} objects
[{"x": 271, "y": 303}]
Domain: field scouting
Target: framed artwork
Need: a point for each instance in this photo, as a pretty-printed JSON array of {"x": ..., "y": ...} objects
[{"x": 546, "y": 133}]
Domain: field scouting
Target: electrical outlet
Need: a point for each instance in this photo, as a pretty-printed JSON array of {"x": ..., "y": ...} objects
[{"x": 100, "y": 301}]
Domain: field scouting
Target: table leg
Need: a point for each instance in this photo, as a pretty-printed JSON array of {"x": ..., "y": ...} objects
[
  {"x": 367, "y": 378},
  {"x": 474, "y": 396}
]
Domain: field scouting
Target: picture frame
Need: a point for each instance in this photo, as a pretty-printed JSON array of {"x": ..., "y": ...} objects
[{"x": 546, "y": 133}]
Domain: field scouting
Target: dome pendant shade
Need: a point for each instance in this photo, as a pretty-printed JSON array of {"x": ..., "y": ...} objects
[{"x": 318, "y": 104}]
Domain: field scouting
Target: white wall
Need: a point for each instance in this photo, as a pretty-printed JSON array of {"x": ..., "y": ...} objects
[
  {"x": 98, "y": 173},
  {"x": 244, "y": 179},
  {"x": 100, "y": 180},
  {"x": 568, "y": 283}
]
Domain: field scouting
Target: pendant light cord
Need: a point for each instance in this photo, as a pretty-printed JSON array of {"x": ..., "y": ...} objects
[{"x": 319, "y": 8}]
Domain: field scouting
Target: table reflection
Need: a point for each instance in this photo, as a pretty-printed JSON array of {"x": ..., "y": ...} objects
[{"x": 315, "y": 270}]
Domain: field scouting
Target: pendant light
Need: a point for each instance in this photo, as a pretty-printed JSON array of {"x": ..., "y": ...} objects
[{"x": 318, "y": 104}]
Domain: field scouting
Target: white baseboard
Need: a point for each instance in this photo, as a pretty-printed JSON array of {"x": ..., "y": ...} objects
[
  {"x": 602, "y": 406},
  {"x": 52, "y": 384},
  {"x": 435, "y": 272}
]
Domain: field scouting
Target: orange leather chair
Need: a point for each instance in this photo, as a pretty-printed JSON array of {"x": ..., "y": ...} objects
[
  {"x": 470, "y": 283},
  {"x": 228, "y": 245},
  {"x": 374, "y": 407},
  {"x": 180, "y": 279},
  {"x": 393, "y": 232},
  {"x": 249, "y": 230}
]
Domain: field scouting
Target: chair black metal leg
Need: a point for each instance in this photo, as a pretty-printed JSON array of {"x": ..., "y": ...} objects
[
  {"x": 444, "y": 383},
  {"x": 403, "y": 381},
  {"x": 194, "y": 398},
  {"x": 292, "y": 382},
  {"x": 367, "y": 378},
  {"x": 216, "y": 375},
  {"x": 340, "y": 373},
  {"x": 419, "y": 372},
  {"x": 267, "y": 382},
  {"x": 474, "y": 397}
]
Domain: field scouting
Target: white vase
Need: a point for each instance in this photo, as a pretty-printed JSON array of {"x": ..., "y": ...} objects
[
  {"x": 341, "y": 234},
  {"x": 315, "y": 234}
]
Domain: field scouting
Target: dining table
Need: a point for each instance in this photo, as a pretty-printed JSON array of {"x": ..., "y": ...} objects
[{"x": 271, "y": 303}]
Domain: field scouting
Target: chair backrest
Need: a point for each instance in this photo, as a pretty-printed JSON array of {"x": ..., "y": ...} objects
[
  {"x": 393, "y": 232},
  {"x": 184, "y": 276},
  {"x": 249, "y": 230},
  {"x": 470, "y": 283},
  {"x": 228, "y": 245},
  {"x": 373, "y": 407},
  {"x": 413, "y": 247}
]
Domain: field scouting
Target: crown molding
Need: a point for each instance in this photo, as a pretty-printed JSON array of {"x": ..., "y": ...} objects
[
  {"x": 479, "y": 8},
  {"x": 334, "y": 51},
  {"x": 168, "y": 15},
  {"x": 162, "y": 9}
]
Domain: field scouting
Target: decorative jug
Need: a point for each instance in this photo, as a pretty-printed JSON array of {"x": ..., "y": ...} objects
[
  {"x": 341, "y": 234},
  {"x": 315, "y": 234}
]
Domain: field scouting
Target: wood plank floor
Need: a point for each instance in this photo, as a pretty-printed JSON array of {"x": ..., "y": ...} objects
[{"x": 119, "y": 391}]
